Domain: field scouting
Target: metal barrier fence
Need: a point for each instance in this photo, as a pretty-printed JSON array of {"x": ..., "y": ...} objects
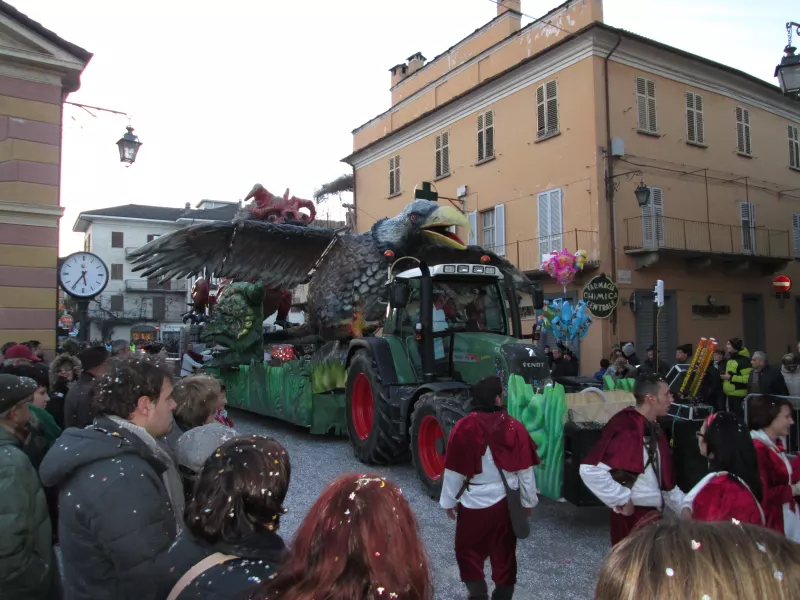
[{"x": 792, "y": 445}]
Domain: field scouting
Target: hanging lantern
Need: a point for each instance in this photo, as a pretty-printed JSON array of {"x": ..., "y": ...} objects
[{"x": 128, "y": 146}]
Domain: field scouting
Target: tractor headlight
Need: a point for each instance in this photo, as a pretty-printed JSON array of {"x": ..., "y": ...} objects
[
  {"x": 490, "y": 270},
  {"x": 463, "y": 268},
  {"x": 449, "y": 268}
]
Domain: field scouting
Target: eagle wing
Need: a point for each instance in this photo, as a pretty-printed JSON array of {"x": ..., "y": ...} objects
[
  {"x": 278, "y": 255},
  {"x": 436, "y": 255}
]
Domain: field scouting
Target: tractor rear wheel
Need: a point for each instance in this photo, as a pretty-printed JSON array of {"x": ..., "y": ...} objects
[
  {"x": 374, "y": 436},
  {"x": 431, "y": 423}
]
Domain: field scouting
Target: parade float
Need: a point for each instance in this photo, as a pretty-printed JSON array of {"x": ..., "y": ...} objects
[{"x": 401, "y": 320}]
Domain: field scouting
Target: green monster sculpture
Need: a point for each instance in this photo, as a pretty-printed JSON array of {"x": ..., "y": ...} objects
[{"x": 237, "y": 325}]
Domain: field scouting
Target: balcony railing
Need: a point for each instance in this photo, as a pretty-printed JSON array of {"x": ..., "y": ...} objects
[
  {"x": 700, "y": 237},
  {"x": 136, "y": 315},
  {"x": 151, "y": 285},
  {"x": 527, "y": 255}
]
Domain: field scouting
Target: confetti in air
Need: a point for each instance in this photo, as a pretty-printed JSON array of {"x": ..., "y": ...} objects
[
  {"x": 696, "y": 545},
  {"x": 670, "y": 572}
]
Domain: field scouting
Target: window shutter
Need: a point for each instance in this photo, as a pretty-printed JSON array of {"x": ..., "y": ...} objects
[
  {"x": 556, "y": 222},
  {"x": 472, "y": 237},
  {"x": 541, "y": 114},
  {"x": 651, "y": 106},
  {"x": 743, "y": 130},
  {"x": 552, "y": 106},
  {"x": 747, "y": 212},
  {"x": 396, "y": 174},
  {"x": 445, "y": 153},
  {"x": 481, "y": 145},
  {"x": 694, "y": 118},
  {"x": 543, "y": 215},
  {"x": 490, "y": 134},
  {"x": 796, "y": 233},
  {"x": 438, "y": 156},
  {"x": 500, "y": 229},
  {"x": 652, "y": 220},
  {"x": 646, "y": 104},
  {"x": 391, "y": 177},
  {"x": 794, "y": 147}
]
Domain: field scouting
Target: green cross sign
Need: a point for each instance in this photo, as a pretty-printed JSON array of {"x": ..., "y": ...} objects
[{"x": 426, "y": 193}]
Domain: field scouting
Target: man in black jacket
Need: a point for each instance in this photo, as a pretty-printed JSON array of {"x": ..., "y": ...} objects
[
  {"x": 764, "y": 378},
  {"x": 78, "y": 411},
  {"x": 117, "y": 500}
]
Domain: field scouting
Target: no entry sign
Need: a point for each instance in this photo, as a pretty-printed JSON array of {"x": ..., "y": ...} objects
[{"x": 782, "y": 284}]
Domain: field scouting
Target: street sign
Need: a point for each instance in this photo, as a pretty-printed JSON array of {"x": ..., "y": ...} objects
[
  {"x": 66, "y": 321},
  {"x": 782, "y": 284}
]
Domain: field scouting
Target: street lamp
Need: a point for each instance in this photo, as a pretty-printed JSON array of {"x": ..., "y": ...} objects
[
  {"x": 788, "y": 72},
  {"x": 642, "y": 194},
  {"x": 129, "y": 146}
]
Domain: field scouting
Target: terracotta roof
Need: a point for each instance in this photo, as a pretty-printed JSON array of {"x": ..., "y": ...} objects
[{"x": 43, "y": 31}]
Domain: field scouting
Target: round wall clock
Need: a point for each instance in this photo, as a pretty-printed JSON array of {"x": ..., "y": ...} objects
[{"x": 83, "y": 275}]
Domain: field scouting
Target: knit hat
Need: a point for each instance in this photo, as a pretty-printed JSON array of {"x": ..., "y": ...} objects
[
  {"x": 21, "y": 351},
  {"x": 628, "y": 349},
  {"x": 93, "y": 357},
  {"x": 14, "y": 390},
  {"x": 686, "y": 349},
  {"x": 736, "y": 343}
]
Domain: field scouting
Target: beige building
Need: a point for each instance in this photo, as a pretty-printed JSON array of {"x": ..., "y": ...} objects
[{"x": 544, "y": 132}]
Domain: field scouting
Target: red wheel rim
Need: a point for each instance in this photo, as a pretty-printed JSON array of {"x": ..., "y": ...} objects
[
  {"x": 361, "y": 406},
  {"x": 430, "y": 432}
]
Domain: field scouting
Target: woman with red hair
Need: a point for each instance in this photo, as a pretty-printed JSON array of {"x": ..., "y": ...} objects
[{"x": 360, "y": 541}]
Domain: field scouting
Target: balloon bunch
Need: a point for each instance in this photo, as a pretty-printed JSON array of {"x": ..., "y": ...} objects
[
  {"x": 563, "y": 265},
  {"x": 565, "y": 322}
]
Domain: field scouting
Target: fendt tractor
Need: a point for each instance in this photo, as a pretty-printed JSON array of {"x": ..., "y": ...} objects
[{"x": 446, "y": 327}]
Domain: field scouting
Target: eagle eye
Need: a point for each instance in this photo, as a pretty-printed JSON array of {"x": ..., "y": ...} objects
[{"x": 413, "y": 217}]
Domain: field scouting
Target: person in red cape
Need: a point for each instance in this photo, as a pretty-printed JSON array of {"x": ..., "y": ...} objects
[
  {"x": 770, "y": 419},
  {"x": 474, "y": 495},
  {"x": 730, "y": 492},
  {"x": 630, "y": 467}
]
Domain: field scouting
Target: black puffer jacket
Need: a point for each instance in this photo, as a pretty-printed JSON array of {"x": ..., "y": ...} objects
[
  {"x": 116, "y": 522},
  {"x": 259, "y": 556},
  {"x": 78, "y": 410}
]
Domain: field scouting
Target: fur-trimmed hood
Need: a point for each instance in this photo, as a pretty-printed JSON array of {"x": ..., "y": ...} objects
[{"x": 58, "y": 362}]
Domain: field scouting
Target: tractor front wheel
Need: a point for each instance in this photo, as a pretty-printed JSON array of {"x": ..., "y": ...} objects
[
  {"x": 431, "y": 423},
  {"x": 373, "y": 434}
]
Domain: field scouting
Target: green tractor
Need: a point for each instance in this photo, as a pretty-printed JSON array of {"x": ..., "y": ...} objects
[{"x": 446, "y": 327}]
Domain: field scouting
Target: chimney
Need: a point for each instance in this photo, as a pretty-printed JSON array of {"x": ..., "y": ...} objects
[
  {"x": 504, "y": 6},
  {"x": 415, "y": 63},
  {"x": 188, "y": 206},
  {"x": 399, "y": 72}
]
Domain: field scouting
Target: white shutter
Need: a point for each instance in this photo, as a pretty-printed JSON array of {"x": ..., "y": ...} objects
[
  {"x": 500, "y": 229},
  {"x": 743, "y": 131},
  {"x": 694, "y": 118},
  {"x": 652, "y": 220},
  {"x": 646, "y": 105},
  {"x": 489, "y": 122},
  {"x": 796, "y": 233},
  {"x": 543, "y": 216},
  {"x": 556, "y": 222},
  {"x": 481, "y": 143},
  {"x": 794, "y": 147},
  {"x": 547, "y": 109},
  {"x": 472, "y": 237},
  {"x": 747, "y": 211}
]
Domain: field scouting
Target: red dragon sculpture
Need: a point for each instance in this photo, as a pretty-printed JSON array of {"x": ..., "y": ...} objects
[{"x": 268, "y": 207}]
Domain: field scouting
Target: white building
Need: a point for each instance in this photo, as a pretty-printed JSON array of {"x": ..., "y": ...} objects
[{"x": 132, "y": 307}]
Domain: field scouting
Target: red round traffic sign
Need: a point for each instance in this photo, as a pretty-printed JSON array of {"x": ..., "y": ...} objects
[{"x": 782, "y": 284}]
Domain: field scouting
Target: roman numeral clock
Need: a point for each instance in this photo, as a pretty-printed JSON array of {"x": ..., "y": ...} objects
[{"x": 83, "y": 276}]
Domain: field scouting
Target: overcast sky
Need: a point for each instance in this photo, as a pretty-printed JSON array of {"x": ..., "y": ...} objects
[{"x": 227, "y": 94}]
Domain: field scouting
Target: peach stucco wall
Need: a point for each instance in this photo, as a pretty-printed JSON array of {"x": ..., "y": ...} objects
[{"x": 520, "y": 45}]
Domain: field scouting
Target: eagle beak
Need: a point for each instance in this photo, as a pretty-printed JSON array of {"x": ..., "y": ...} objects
[{"x": 437, "y": 224}]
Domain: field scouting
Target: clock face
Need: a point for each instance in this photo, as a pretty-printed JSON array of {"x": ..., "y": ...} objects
[{"x": 83, "y": 275}]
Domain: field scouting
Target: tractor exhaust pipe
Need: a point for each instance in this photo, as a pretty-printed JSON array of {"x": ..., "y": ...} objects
[{"x": 426, "y": 320}]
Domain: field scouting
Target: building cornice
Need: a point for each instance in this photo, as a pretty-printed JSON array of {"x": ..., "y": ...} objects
[
  {"x": 595, "y": 41},
  {"x": 108, "y": 218},
  {"x": 17, "y": 213}
]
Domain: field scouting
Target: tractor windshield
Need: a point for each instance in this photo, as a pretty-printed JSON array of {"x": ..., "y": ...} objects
[{"x": 469, "y": 306}]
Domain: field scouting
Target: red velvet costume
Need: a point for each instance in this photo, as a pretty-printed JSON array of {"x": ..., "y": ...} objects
[
  {"x": 776, "y": 481},
  {"x": 621, "y": 446},
  {"x": 724, "y": 497},
  {"x": 483, "y": 533}
]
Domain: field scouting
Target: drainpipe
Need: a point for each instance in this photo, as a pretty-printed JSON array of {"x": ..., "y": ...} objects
[
  {"x": 612, "y": 215},
  {"x": 355, "y": 204}
]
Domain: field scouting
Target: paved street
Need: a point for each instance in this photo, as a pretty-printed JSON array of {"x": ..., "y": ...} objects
[{"x": 559, "y": 560}]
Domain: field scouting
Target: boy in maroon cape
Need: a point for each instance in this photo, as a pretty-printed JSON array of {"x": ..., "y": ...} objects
[
  {"x": 474, "y": 495},
  {"x": 630, "y": 467}
]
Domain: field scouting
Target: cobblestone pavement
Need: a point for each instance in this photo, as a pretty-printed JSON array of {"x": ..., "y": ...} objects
[{"x": 559, "y": 561}]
